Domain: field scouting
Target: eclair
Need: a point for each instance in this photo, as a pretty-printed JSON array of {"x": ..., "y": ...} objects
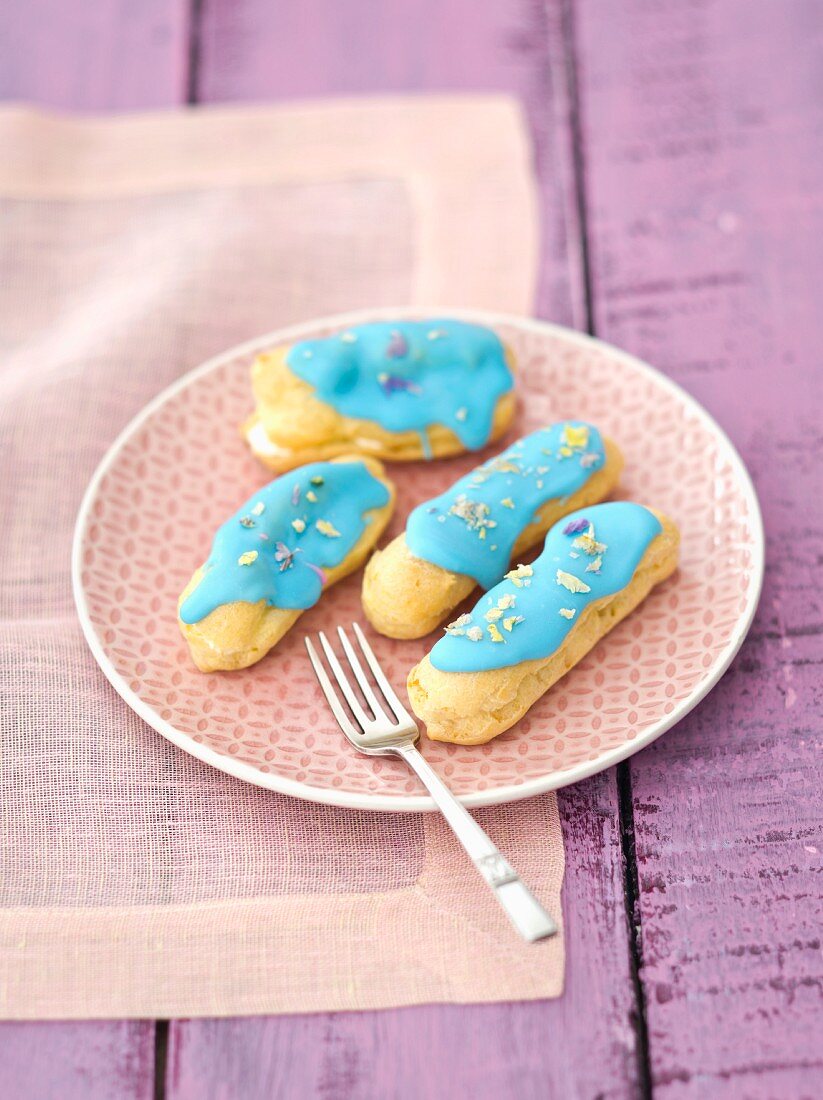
[
  {"x": 468, "y": 535},
  {"x": 273, "y": 559},
  {"x": 392, "y": 390},
  {"x": 496, "y": 661}
]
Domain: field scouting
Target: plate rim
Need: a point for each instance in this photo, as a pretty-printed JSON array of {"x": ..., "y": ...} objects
[{"x": 552, "y": 781}]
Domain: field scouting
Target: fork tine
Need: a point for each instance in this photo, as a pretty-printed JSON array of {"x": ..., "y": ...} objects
[
  {"x": 331, "y": 695},
  {"x": 391, "y": 696},
  {"x": 344, "y": 684},
  {"x": 361, "y": 677}
]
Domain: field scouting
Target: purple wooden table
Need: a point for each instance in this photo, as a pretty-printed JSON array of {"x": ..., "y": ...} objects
[{"x": 680, "y": 156}]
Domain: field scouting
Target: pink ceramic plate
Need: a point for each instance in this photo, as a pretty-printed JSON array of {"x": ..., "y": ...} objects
[{"x": 181, "y": 467}]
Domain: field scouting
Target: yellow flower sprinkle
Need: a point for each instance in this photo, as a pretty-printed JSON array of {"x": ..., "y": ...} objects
[
  {"x": 507, "y": 502},
  {"x": 299, "y": 525},
  {"x": 520, "y": 575},
  {"x": 312, "y": 496},
  {"x": 567, "y": 612},
  {"x": 568, "y": 580},
  {"x": 317, "y": 480},
  {"x": 493, "y": 614},
  {"x": 495, "y": 634},
  {"x": 247, "y": 558},
  {"x": 327, "y": 529},
  {"x": 576, "y": 437},
  {"x": 588, "y": 543}
]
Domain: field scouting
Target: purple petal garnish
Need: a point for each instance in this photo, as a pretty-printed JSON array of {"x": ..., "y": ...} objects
[
  {"x": 576, "y": 526},
  {"x": 398, "y": 346},
  {"x": 295, "y": 495},
  {"x": 589, "y": 460},
  {"x": 393, "y": 383},
  {"x": 315, "y": 569}
]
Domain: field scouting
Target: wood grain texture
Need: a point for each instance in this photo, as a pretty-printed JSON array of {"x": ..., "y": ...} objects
[
  {"x": 704, "y": 183},
  {"x": 584, "y": 1044},
  {"x": 94, "y": 55},
  {"x": 92, "y": 1061},
  {"x": 255, "y": 50}
]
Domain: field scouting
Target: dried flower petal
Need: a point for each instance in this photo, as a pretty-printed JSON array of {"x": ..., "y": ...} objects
[
  {"x": 594, "y": 566},
  {"x": 568, "y": 612},
  {"x": 588, "y": 544},
  {"x": 247, "y": 558},
  {"x": 299, "y": 525},
  {"x": 494, "y": 633},
  {"x": 258, "y": 509},
  {"x": 575, "y": 526},
  {"x": 568, "y": 580},
  {"x": 520, "y": 576},
  {"x": 284, "y": 556},
  {"x": 327, "y": 529},
  {"x": 474, "y": 634},
  {"x": 512, "y": 621},
  {"x": 247, "y": 521},
  {"x": 459, "y": 624},
  {"x": 398, "y": 346},
  {"x": 576, "y": 437}
]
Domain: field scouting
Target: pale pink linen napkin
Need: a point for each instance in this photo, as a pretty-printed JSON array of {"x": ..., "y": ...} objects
[{"x": 135, "y": 880}]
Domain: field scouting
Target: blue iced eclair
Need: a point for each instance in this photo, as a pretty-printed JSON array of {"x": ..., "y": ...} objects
[
  {"x": 520, "y": 638},
  {"x": 272, "y": 559},
  {"x": 394, "y": 390},
  {"x": 469, "y": 534}
]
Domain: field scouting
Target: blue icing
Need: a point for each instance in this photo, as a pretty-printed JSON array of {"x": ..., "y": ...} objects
[
  {"x": 408, "y": 375},
  {"x": 470, "y": 530},
  {"x": 287, "y": 568},
  {"x": 532, "y": 603}
]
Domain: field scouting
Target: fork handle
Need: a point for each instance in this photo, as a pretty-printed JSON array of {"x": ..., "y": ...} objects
[{"x": 522, "y": 908}]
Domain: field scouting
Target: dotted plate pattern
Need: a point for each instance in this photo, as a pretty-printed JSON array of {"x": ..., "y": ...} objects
[{"x": 182, "y": 467}]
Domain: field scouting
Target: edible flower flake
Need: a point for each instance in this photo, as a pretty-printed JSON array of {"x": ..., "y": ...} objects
[
  {"x": 572, "y": 583},
  {"x": 327, "y": 529}
]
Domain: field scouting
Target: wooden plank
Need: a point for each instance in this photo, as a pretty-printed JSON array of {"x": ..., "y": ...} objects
[
  {"x": 77, "y": 1061},
  {"x": 256, "y": 50},
  {"x": 95, "y": 54},
  {"x": 704, "y": 172},
  {"x": 584, "y": 1044}
]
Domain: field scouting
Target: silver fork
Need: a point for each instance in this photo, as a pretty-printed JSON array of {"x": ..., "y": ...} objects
[{"x": 381, "y": 735}]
